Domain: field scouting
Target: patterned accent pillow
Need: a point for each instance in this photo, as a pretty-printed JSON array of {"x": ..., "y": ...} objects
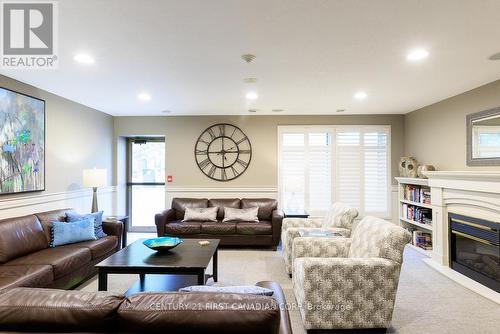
[
  {"x": 97, "y": 216},
  {"x": 63, "y": 233},
  {"x": 244, "y": 215},
  {"x": 244, "y": 289},
  {"x": 200, "y": 214},
  {"x": 340, "y": 215}
]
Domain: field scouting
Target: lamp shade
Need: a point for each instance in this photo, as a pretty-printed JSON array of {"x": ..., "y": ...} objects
[{"x": 95, "y": 177}]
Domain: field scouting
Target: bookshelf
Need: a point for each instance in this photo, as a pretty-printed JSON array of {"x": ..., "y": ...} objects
[{"x": 415, "y": 212}]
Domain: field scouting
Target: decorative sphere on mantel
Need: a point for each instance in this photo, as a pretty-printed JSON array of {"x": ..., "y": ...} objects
[{"x": 424, "y": 168}]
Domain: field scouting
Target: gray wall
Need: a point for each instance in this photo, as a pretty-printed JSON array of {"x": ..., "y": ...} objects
[
  {"x": 181, "y": 133},
  {"x": 436, "y": 134},
  {"x": 77, "y": 137}
]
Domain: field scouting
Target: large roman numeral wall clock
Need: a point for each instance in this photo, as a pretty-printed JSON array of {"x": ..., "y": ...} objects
[{"x": 223, "y": 152}]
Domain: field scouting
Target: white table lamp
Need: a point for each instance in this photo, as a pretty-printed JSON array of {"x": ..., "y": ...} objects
[{"x": 95, "y": 178}]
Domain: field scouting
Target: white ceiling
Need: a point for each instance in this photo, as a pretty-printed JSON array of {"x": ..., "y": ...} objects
[{"x": 312, "y": 55}]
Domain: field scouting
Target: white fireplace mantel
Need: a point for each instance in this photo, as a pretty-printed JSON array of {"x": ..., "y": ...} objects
[{"x": 470, "y": 193}]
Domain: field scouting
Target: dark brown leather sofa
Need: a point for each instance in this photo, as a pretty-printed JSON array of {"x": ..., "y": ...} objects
[
  {"x": 30, "y": 310},
  {"x": 264, "y": 233},
  {"x": 27, "y": 261}
]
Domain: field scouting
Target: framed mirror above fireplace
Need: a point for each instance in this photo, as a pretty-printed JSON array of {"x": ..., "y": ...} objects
[{"x": 483, "y": 138}]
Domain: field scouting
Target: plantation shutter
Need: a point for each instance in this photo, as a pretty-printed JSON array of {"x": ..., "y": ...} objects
[
  {"x": 349, "y": 166},
  {"x": 322, "y": 165},
  {"x": 375, "y": 172}
]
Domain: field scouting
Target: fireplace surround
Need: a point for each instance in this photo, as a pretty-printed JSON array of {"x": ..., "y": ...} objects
[
  {"x": 473, "y": 195},
  {"x": 474, "y": 249}
]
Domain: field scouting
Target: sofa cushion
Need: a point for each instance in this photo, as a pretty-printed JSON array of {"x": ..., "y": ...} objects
[
  {"x": 218, "y": 228},
  {"x": 180, "y": 205},
  {"x": 46, "y": 219},
  {"x": 262, "y": 227},
  {"x": 222, "y": 203},
  {"x": 50, "y": 310},
  {"x": 98, "y": 247},
  {"x": 36, "y": 276},
  {"x": 266, "y": 206},
  {"x": 63, "y": 259},
  {"x": 177, "y": 227},
  {"x": 20, "y": 236}
]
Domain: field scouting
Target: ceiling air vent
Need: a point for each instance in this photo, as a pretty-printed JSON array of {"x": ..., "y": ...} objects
[{"x": 248, "y": 57}]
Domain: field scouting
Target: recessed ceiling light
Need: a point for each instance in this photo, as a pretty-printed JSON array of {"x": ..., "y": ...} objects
[
  {"x": 360, "y": 95},
  {"x": 144, "y": 96},
  {"x": 417, "y": 54},
  {"x": 277, "y": 110},
  {"x": 495, "y": 56},
  {"x": 252, "y": 96},
  {"x": 84, "y": 58}
]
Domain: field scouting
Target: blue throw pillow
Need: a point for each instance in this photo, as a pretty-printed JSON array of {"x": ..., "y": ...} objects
[
  {"x": 63, "y": 233},
  {"x": 96, "y": 216}
]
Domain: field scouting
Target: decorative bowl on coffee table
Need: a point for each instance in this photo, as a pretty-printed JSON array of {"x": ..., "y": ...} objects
[{"x": 162, "y": 244}]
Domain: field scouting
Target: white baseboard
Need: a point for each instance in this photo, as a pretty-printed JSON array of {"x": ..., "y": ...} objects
[{"x": 464, "y": 281}]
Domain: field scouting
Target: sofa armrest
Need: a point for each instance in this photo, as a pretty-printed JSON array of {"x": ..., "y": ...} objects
[
  {"x": 34, "y": 310},
  {"x": 279, "y": 295},
  {"x": 320, "y": 247},
  {"x": 276, "y": 220},
  {"x": 346, "y": 292},
  {"x": 114, "y": 228},
  {"x": 163, "y": 218},
  {"x": 302, "y": 222}
]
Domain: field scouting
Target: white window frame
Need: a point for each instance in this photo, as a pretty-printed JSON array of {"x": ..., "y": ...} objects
[{"x": 333, "y": 129}]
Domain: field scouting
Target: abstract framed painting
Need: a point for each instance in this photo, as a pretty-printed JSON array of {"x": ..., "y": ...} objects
[{"x": 22, "y": 143}]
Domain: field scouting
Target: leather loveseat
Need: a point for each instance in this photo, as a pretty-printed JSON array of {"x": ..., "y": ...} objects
[
  {"x": 27, "y": 310},
  {"x": 26, "y": 260},
  {"x": 264, "y": 233}
]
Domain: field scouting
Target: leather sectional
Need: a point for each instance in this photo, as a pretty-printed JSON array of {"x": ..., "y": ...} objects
[
  {"x": 27, "y": 310},
  {"x": 27, "y": 261},
  {"x": 264, "y": 233}
]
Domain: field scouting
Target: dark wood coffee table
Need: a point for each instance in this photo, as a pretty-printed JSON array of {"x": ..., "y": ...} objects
[{"x": 188, "y": 259}]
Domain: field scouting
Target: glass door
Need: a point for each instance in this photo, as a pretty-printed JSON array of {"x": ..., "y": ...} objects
[{"x": 146, "y": 182}]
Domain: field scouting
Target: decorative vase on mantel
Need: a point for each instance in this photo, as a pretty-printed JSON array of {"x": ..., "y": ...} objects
[{"x": 408, "y": 167}]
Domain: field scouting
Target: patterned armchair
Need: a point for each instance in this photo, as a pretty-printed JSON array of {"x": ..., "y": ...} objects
[
  {"x": 340, "y": 219},
  {"x": 346, "y": 283}
]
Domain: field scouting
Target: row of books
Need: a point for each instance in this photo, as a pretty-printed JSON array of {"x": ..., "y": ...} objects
[
  {"x": 422, "y": 239},
  {"x": 417, "y": 194},
  {"x": 417, "y": 214}
]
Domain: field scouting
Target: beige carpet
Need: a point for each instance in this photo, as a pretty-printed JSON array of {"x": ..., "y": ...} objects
[{"x": 427, "y": 301}]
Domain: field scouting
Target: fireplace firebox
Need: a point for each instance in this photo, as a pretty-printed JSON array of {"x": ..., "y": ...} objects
[{"x": 474, "y": 249}]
